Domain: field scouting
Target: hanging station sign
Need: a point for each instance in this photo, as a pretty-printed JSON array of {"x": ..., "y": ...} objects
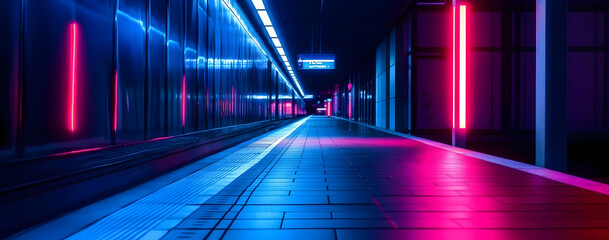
[{"x": 316, "y": 61}]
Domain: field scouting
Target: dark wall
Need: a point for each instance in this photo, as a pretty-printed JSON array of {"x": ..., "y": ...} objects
[
  {"x": 141, "y": 69},
  {"x": 10, "y": 47}
]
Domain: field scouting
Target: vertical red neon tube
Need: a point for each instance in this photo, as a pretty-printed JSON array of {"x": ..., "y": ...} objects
[
  {"x": 459, "y": 58},
  {"x": 349, "y": 105},
  {"x": 454, "y": 60},
  {"x": 349, "y": 86},
  {"x": 72, "y": 75},
  {"x": 328, "y": 111},
  {"x": 462, "y": 65},
  {"x": 115, "y": 123},
  {"x": 183, "y": 100}
]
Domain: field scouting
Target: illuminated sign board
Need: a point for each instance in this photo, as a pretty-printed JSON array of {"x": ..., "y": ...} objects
[{"x": 316, "y": 61}]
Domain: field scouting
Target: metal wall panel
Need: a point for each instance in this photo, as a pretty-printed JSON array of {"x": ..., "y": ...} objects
[
  {"x": 10, "y": 15},
  {"x": 211, "y": 63},
  {"x": 157, "y": 43},
  {"x": 225, "y": 50},
  {"x": 203, "y": 106},
  {"x": 65, "y": 95},
  {"x": 190, "y": 66},
  {"x": 131, "y": 62},
  {"x": 46, "y": 89},
  {"x": 217, "y": 57},
  {"x": 175, "y": 65}
]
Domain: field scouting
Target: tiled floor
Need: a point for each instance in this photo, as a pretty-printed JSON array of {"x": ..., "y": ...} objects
[{"x": 331, "y": 179}]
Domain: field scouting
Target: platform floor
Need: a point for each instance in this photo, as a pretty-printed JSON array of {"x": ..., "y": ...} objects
[{"x": 332, "y": 179}]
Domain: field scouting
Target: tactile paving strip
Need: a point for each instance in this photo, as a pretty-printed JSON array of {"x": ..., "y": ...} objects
[{"x": 162, "y": 210}]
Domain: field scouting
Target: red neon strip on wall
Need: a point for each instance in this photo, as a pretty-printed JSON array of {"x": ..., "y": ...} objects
[
  {"x": 349, "y": 105},
  {"x": 349, "y": 86},
  {"x": 328, "y": 108},
  {"x": 459, "y": 74},
  {"x": 73, "y": 53},
  {"x": 115, "y": 125},
  {"x": 454, "y": 65},
  {"x": 462, "y": 65},
  {"x": 183, "y": 100}
]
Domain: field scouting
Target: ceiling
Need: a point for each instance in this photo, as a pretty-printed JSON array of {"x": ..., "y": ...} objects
[{"x": 351, "y": 29}]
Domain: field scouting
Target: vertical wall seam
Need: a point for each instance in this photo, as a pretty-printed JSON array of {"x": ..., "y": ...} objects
[
  {"x": 492, "y": 70},
  {"x": 197, "y": 70},
  {"x": 606, "y": 73},
  {"x": 146, "y": 69},
  {"x": 183, "y": 62},
  {"x": 20, "y": 134},
  {"x": 112, "y": 80},
  {"x": 166, "y": 115}
]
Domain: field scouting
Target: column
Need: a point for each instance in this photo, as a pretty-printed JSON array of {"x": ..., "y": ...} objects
[{"x": 551, "y": 85}]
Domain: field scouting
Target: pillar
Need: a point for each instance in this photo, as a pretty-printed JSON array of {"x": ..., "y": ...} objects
[{"x": 551, "y": 85}]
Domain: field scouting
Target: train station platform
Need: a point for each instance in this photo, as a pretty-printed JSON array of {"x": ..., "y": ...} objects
[{"x": 328, "y": 178}]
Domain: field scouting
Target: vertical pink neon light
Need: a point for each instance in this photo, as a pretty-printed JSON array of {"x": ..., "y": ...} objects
[
  {"x": 115, "y": 125},
  {"x": 328, "y": 113},
  {"x": 349, "y": 86},
  {"x": 183, "y": 100},
  {"x": 454, "y": 19},
  {"x": 72, "y": 52},
  {"x": 462, "y": 65},
  {"x": 349, "y": 105}
]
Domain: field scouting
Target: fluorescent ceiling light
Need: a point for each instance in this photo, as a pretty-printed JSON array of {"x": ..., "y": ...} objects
[
  {"x": 271, "y": 31},
  {"x": 276, "y": 42},
  {"x": 258, "y": 4},
  {"x": 265, "y": 18}
]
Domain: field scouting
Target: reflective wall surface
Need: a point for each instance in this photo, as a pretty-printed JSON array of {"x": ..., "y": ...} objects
[{"x": 79, "y": 74}]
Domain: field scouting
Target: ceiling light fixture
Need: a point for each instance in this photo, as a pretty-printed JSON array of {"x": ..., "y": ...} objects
[
  {"x": 264, "y": 16},
  {"x": 271, "y": 31},
  {"x": 266, "y": 20},
  {"x": 258, "y": 4}
]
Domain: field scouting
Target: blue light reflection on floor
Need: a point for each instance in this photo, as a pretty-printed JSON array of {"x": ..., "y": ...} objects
[{"x": 152, "y": 216}]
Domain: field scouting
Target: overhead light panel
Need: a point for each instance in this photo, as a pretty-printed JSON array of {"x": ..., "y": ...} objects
[
  {"x": 271, "y": 31},
  {"x": 276, "y": 42},
  {"x": 266, "y": 20},
  {"x": 264, "y": 16},
  {"x": 258, "y": 4}
]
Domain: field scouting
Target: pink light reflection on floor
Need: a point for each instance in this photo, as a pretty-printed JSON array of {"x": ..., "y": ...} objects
[{"x": 538, "y": 171}]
